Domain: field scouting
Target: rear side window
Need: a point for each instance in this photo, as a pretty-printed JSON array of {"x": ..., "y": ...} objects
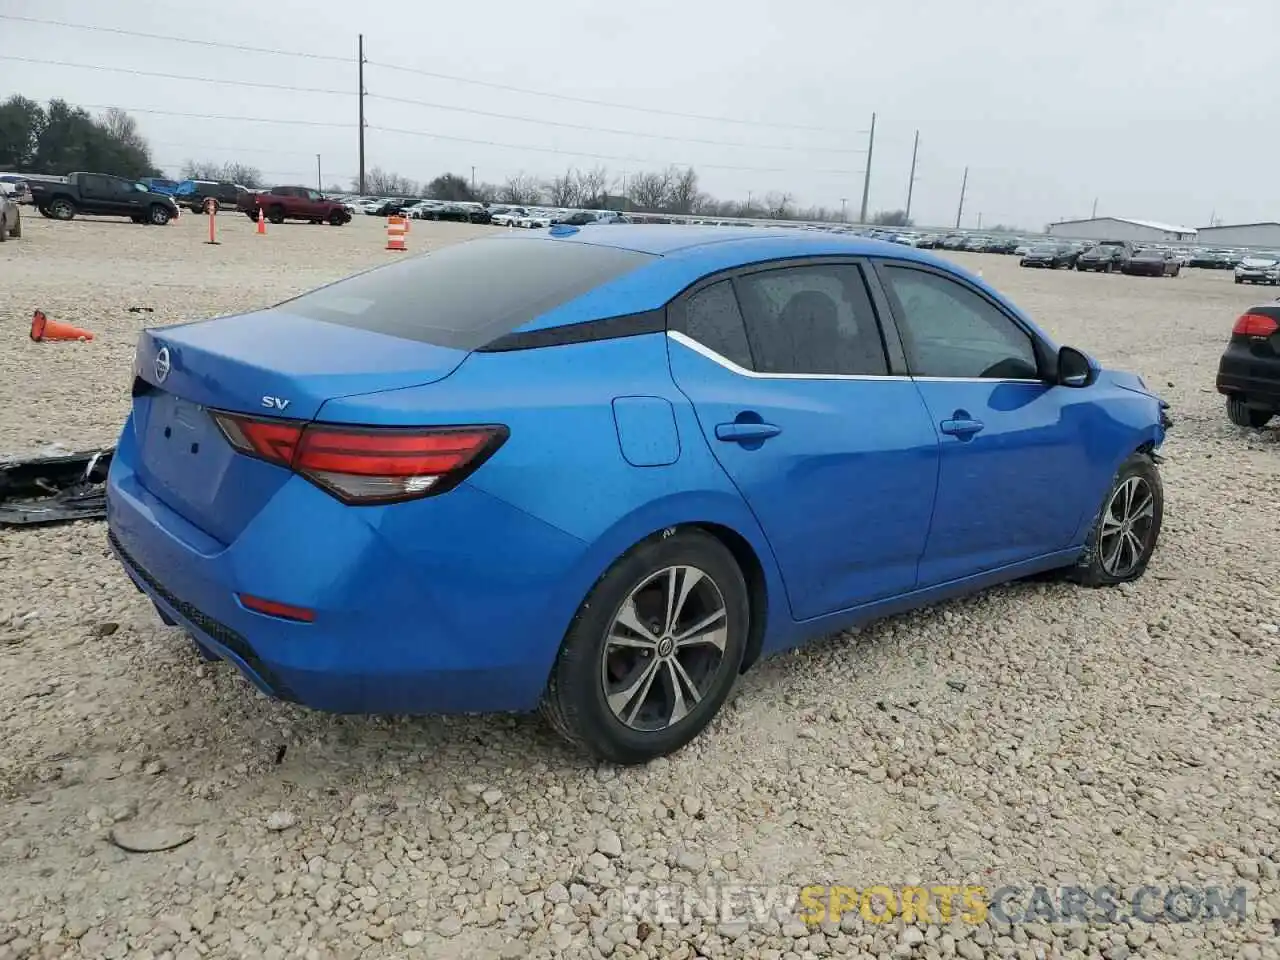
[
  {"x": 465, "y": 295},
  {"x": 711, "y": 316}
]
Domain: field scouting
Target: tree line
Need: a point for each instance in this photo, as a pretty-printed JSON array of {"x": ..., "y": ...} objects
[
  {"x": 673, "y": 190},
  {"x": 61, "y": 138}
]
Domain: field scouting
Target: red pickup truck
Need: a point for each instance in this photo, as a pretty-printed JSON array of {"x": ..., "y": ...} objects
[{"x": 294, "y": 203}]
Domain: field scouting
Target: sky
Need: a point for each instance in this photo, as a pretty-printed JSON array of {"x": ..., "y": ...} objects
[{"x": 1153, "y": 109}]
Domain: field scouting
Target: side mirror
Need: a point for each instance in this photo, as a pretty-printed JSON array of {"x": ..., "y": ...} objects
[{"x": 1075, "y": 368}]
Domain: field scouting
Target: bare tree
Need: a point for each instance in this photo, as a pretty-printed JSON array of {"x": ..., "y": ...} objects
[
  {"x": 650, "y": 190},
  {"x": 124, "y": 128},
  {"x": 384, "y": 183},
  {"x": 563, "y": 191},
  {"x": 240, "y": 173},
  {"x": 520, "y": 189},
  {"x": 684, "y": 194},
  {"x": 891, "y": 218},
  {"x": 777, "y": 205},
  {"x": 487, "y": 192},
  {"x": 593, "y": 187}
]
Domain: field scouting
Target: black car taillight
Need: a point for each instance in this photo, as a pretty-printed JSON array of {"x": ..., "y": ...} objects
[
  {"x": 366, "y": 465},
  {"x": 1255, "y": 325}
]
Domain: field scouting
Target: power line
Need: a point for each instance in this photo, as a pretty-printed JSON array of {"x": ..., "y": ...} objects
[
  {"x": 601, "y": 103},
  {"x": 178, "y": 76},
  {"x": 215, "y": 116},
  {"x": 605, "y": 156},
  {"x": 332, "y": 58},
  {"x": 597, "y": 129},
  {"x": 219, "y": 146},
  {"x": 159, "y": 36},
  {"x": 425, "y": 103}
]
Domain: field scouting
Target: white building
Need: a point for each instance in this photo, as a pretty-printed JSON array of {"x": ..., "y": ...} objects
[
  {"x": 1120, "y": 228},
  {"x": 1242, "y": 235}
]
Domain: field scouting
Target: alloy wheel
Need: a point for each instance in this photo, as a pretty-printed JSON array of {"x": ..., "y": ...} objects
[
  {"x": 1126, "y": 527},
  {"x": 664, "y": 649}
]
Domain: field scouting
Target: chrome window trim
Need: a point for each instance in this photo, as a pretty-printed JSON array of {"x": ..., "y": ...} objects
[{"x": 694, "y": 345}]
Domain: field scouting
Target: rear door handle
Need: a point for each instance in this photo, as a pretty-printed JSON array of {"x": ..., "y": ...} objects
[
  {"x": 746, "y": 432},
  {"x": 964, "y": 429}
]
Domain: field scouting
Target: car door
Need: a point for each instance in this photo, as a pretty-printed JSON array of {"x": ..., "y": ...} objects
[
  {"x": 831, "y": 447},
  {"x": 98, "y": 194},
  {"x": 1011, "y": 480}
]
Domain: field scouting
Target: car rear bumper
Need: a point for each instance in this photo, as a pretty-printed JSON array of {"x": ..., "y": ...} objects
[
  {"x": 1254, "y": 379},
  {"x": 447, "y": 615}
]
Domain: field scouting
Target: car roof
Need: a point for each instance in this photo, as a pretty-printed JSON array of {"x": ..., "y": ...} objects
[{"x": 674, "y": 240}]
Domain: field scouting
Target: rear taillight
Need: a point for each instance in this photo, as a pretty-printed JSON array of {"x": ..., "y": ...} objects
[
  {"x": 1255, "y": 325},
  {"x": 366, "y": 465}
]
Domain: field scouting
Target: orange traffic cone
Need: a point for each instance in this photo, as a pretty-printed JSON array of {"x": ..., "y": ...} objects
[
  {"x": 43, "y": 329},
  {"x": 395, "y": 233},
  {"x": 262, "y": 222}
]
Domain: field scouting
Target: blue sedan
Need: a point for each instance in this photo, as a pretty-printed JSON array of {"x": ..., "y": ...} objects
[{"x": 604, "y": 470}]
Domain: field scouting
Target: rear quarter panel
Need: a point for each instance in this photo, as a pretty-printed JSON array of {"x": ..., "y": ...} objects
[{"x": 564, "y": 464}]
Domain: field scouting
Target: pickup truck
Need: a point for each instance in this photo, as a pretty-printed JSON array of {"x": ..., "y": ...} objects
[
  {"x": 100, "y": 195},
  {"x": 294, "y": 203}
]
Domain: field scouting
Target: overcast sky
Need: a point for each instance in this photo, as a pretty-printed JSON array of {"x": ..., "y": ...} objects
[{"x": 1159, "y": 109}]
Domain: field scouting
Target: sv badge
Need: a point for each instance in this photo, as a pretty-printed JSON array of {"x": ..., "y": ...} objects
[{"x": 275, "y": 403}]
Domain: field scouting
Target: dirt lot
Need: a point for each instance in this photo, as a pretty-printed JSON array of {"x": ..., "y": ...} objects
[{"x": 1035, "y": 734}]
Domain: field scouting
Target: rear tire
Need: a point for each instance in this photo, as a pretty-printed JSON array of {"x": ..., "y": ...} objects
[
  {"x": 1126, "y": 529},
  {"x": 1243, "y": 415},
  {"x": 336, "y": 219},
  {"x": 62, "y": 209},
  {"x": 276, "y": 215},
  {"x": 621, "y": 688}
]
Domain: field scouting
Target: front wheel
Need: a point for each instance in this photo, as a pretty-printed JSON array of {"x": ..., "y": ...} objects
[
  {"x": 1127, "y": 527},
  {"x": 276, "y": 214},
  {"x": 1242, "y": 415},
  {"x": 653, "y": 651},
  {"x": 158, "y": 215},
  {"x": 336, "y": 219},
  {"x": 62, "y": 209}
]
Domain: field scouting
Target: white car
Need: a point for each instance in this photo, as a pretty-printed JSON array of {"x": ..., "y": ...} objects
[
  {"x": 509, "y": 216},
  {"x": 424, "y": 209},
  {"x": 10, "y": 215},
  {"x": 534, "y": 219}
]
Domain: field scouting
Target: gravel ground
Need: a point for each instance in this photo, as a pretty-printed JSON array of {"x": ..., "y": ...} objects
[{"x": 1034, "y": 734}]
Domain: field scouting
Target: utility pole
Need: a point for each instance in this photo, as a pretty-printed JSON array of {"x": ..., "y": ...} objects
[
  {"x": 843, "y": 204},
  {"x": 1095, "y": 209},
  {"x": 866, "y": 177},
  {"x": 964, "y": 185},
  {"x": 319, "y": 179},
  {"x": 473, "y": 179},
  {"x": 911, "y": 183},
  {"x": 360, "y": 58},
  {"x": 979, "y": 221}
]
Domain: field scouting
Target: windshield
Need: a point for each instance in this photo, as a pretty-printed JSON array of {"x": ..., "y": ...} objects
[
  {"x": 141, "y": 188},
  {"x": 1045, "y": 248}
]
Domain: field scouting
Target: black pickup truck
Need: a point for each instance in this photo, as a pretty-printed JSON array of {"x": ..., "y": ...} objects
[{"x": 100, "y": 195}]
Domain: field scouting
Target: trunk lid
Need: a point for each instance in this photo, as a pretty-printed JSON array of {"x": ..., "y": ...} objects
[{"x": 271, "y": 363}]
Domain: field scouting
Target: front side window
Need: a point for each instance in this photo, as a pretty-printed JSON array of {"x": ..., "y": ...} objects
[
  {"x": 815, "y": 320},
  {"x": 949, "y": 330}
]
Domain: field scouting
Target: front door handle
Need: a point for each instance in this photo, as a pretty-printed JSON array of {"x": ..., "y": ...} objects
[
  {"x": 746, "y": 432},
  {"x": 963, "y": 428}
]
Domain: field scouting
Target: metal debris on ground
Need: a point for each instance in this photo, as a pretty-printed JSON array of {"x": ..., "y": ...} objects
[{"x": 54, "y": 489}]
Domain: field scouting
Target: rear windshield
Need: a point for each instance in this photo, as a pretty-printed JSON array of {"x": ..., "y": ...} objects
[{"x": 465, "y": 295}]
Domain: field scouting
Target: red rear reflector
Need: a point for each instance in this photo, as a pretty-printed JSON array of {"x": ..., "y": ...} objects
[
  {"x": 272, "y": 608},
  {"x": 366, "y": 464},
  {"x": 1255, "y": 325}
]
